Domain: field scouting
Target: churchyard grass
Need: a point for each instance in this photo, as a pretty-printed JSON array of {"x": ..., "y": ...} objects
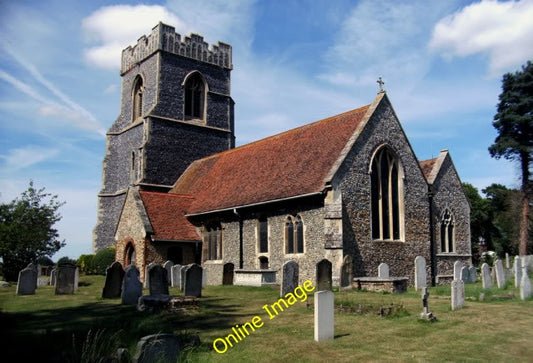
[{"x": 496, "y": 329}]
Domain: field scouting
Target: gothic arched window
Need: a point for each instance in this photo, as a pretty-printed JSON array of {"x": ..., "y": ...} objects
[
  {"x": 129, "y": 255},
  {"x": 447, "y": 238},
  {"x": 213, "y": 241},
  {"x": 262, "y": 233},
  {"x": 294, "y": 235},
  {"x": 386, "y": 194},
  {"x": 194, "y": 97},
  {"x": 137, "y": 99},
  {"x": 289, "y": 235}
]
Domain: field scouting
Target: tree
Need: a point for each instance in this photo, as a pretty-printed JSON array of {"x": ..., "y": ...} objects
[
  {"x": 514, "y": 123},
  {"x": 26, "y": 230}
]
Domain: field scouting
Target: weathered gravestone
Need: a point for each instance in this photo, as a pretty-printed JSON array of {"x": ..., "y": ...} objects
[
  {"x": 66, "y": 279},
  {"x": 324, "y": 316},
  {"x": 289, "y": 277},
  {"x": 507, "y": 261},
  {"x": 113, "y": 281},
  {"x": 27, "y": 281},
  {"x": 473, "y": 274},
  {"x": 517, "y": 269},
  {"x": 161, "y": 348},
  {"x": 500, "y": 277},
  {"x": 182, "y": 273},
  {"x": 227, "y": 273},
  {"x": 426, "y": 314},
  {"x": 458, "y": 294},
  {"x": 158, "y": 277},
  {"x": 486, "y": 279},
  {"x": 324, "y": 280},
  {"x": 175, "y": 278},
  {"x": 132, "y": 287},
  {"x": 146, "y": 274},
  {"x": 193, "y": 281},
  {"x": 420, "y": 273},
  {"x": 383, "y": 271},
  {"x": 347, "y": 272},
  {"x": 53, "y": 276},
  {"x": 168, "y": 266},
  {"x": 525, "y": 284},
  {"x": 457, "y": 266},
  {"x": 465, "y": 274}
]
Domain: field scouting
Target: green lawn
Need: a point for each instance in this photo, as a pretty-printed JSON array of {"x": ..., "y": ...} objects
[{"x": 65, "y": 328}]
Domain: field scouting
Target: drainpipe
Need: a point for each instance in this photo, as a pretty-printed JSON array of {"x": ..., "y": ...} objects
[
  {"x": 433, "y": 256},
  {"x": 241, "y": 252}
]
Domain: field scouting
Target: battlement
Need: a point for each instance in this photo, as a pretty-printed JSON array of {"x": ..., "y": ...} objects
[{"x": 164, "y": 37}]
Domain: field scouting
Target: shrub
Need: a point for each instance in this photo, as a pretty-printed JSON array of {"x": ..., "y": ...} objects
[
  {"x": 86, "y": 263},
  {"x": 103, "y": 259},
  {"x": 66, "y": 259}
]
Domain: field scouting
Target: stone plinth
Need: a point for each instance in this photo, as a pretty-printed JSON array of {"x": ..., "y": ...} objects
[
  {"x": 392, "y": 284},
  {"x": 254, "y": 277}
]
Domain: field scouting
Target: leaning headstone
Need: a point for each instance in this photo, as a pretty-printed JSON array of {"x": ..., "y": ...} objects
[
  {"x": 383, "y": 271},
  {"x": 175, "y": 277},
  {"x": 113, "y": 281},
  {"x": 158, "y": 280},
  {"x": 420, "y": 273},
  {"x": 324, "y": 280},
  {"x": 161, "y": 348},
  {"x": 458, "y": 294},
  {"x": 168, "y": 266},
  {"x": 457, "y": 266},
  {"x": 324, "y": 316},
  {"x": 147, "y": 273},
  {"x": 517, "y": 271},
  {"x": 500, "y": 277},
  {"x": 27, "y": 281},
  {"x": 473, "y": 274},
  {"x": 347, "y": 272},
  {"x": 289, "y": 277},
  {"x": 465, "y": 274},
  {"x": 193, "y": 281},
  {"x": 182, "y": 273},
  {"x": 486, "y": 279},
  {"x": 53, "y": 275},
  {"x": 525, "y": 285},
  {"x": 132, "y": 287},
  {"x": 66, "y": 279}
]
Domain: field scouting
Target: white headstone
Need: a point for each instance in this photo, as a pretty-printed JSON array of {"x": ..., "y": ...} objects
[
  {"x": 458, "y": 294},
  {"x": 525, "y": 285},
  {"x": 383, "y": 271},
  {"x": 176, "y": 276},
  {"x": 486, "y": 278},
  {"x": 324, "y": 316},
  {"x": 517, "y": 269},
  {"x": 500, "y": 277},
  {"x": 168, "y": 266},
  {"x": 507, "y": 261},
  {"x": 420, "y": 273},
  {"x": 457, "y": 266}
]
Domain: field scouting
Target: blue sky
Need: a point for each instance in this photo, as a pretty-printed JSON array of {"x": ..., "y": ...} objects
[{"x": 294, "y": 62}]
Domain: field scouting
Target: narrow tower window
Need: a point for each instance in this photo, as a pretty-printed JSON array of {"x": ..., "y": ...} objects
[
  {"x": 194, "y": 97},
  {"x": 137, "y": 102}
]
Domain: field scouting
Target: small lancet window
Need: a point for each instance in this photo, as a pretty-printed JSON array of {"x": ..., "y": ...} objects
[
  {"x": 194, "y": 97},
  {"x": 137, "y": 99},
  {"x": 447, "y": 238},
  {"x": 263, "y": 235},
  {"x": 294, "y": 235},
  {"x": 213, "y": 241}
]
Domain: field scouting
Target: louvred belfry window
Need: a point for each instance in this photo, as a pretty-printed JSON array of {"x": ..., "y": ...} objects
[{"x": 194, "y": 97}]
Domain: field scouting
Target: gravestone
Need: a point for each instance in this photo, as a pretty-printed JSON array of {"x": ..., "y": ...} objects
[
  {"x": 158, "y": 284},
  {"x": 465, "y": 274},
  {"x": 420, "y": 273},
  {"x": 457, "y": 266},
  {"x": 168, "y": 266},
  {"x": 76, "y": 279},
  {"x": 146, "y": 274},
  {"x": 227, "y": 273},
  {"x": 289, "y": 277},
  {"x": 193, "y": 281},
  {"x": 175, "y": 278},
  {"x": 66, "y": 279},
  {"x": 53, "y": 275},
  {"x": 132, "y": 287},
  {"x": 182, "y": 273},
  {"x": 27, "y": 281},
  {"x": 517, "y": 269},
  {"x": 473, "y": 274},
  {"x": 500, "y": 277},
  {"x": 486, "y": 279},
  {"x": 458, "y": 294},
  {"x": 383, "y": 271},
  {"x": 347, "y": 272},
  {"x": 426, "y": 314},
  {"x": 525, "y": 284},
  {"x": 324, "y": 275},
  {"x": 324, "y": 316},
  {"x": 113, "y": 281},
  {"x": 507, "y": 261},
  {"x": 204, "y": 277},
  {"x": 162, "y": 348}
]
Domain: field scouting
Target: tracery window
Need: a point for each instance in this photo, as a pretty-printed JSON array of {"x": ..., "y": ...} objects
[
  {"x": 294, "y": 235},
  {"x": 447, "y": 238},
  {"x": 213, "y": 240},
  {"x": 194, "y": 97},
  {"x": 137, "y": 99},
  {"x": 386, "y": 194}
]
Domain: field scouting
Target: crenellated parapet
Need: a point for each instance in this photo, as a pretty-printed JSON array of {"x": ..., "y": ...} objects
[{"x": 164, "y": 37}]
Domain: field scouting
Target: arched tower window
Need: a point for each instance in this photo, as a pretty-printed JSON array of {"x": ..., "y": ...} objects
[
  {"x": 137, "y": 99},
  {"x": 194, "y": 99},
  {"x": 447, "y": 237},
  {"x": 386, "y": 194}
]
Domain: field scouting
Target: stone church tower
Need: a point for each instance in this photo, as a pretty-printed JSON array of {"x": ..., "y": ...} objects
[{"x": 175, "y": 108}]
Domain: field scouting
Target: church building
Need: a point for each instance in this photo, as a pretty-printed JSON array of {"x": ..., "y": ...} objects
[{"x": 176, "y": 188}]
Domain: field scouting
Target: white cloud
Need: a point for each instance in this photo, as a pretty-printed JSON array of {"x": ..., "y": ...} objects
[
  {"x": 24, "y": 157},
  {"x": 501, "y": 29}
]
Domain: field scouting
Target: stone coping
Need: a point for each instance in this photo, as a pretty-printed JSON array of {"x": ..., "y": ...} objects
[{"x": 379, "y": 279}]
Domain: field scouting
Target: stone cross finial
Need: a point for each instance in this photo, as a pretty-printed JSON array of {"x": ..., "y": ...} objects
[{"x": 381, "y": 83}]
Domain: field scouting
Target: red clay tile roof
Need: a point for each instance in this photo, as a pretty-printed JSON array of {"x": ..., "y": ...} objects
[
  {"x": 427, "y": 166},
  {"x": 289, "y": 164},
  {"x": 167, "y": 216}
]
